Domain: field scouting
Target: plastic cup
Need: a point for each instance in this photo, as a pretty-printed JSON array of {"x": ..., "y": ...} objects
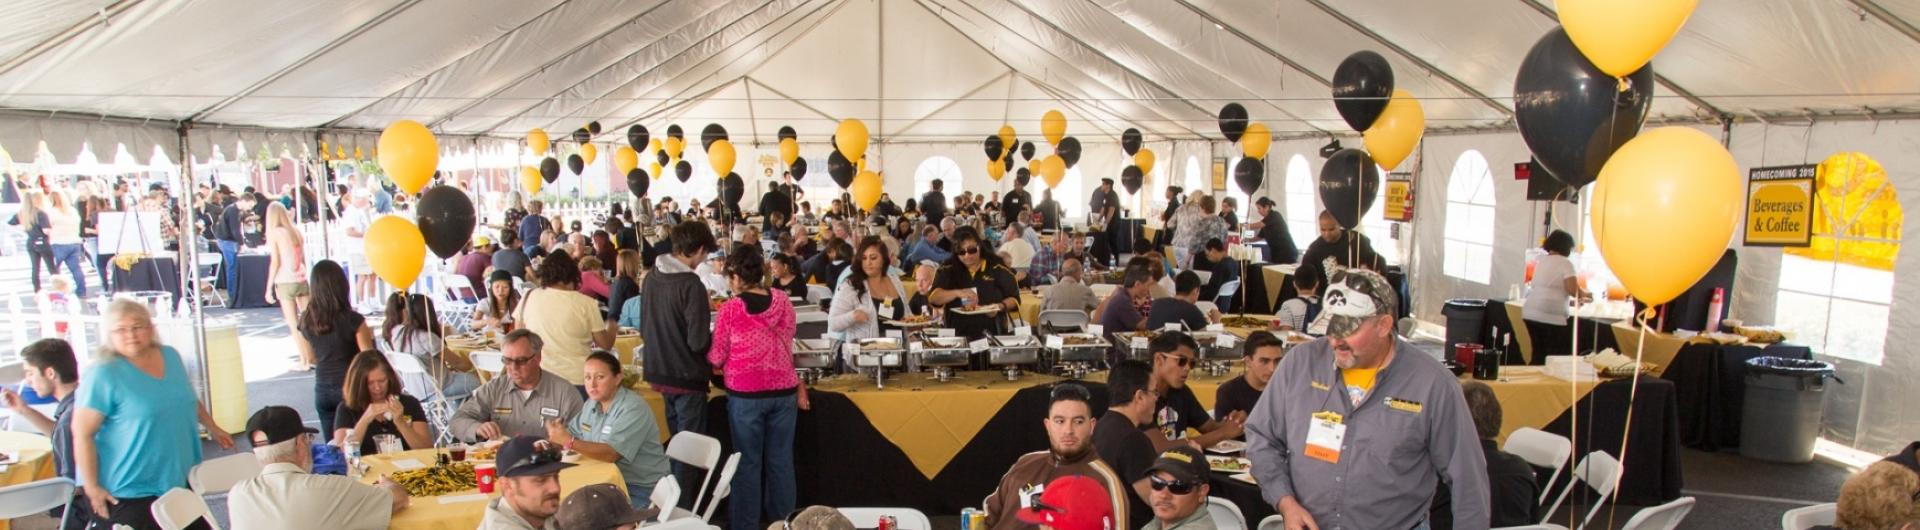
[
  {"x": 458, "y": 451},
  {"x": 483, "y": 475}
]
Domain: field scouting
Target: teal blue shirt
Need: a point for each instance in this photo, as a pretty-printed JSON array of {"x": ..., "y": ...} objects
[
  {"x": 629, "y": 427},
  {"x": 149, "y": 439}
]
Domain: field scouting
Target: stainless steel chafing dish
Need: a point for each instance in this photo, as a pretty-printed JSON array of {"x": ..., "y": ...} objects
[
  {"x": 1076, "y": 354},
  {"x": 1010, "y": 352},
  {"x": 1134, "y": 350},
  {"x": 879, "y": 354},
  {"x": 1217, "y": 351},
  {"x": 813, "y": 358},
  {"x": 943, "y": 354}
]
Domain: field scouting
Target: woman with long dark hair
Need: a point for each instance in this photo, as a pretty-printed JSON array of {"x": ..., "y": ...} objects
[
  {"x": 412, "y": 329},
  {"x": 336, "y": 333},
  {"x": 870, "y": 293},
  {"x": 376, "y": 405},
  {"x": 752, "y": 347},
  {"x": 502, "y": 299},
  {"x": 970, "y": 280}
]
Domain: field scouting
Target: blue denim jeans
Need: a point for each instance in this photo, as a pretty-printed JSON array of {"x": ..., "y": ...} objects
[
  {"x": 229, "y": 261},
  {"x": 687, "y": 412},
  {"x": 69, "y": 256},
  {"x": 763, "y": 486}
]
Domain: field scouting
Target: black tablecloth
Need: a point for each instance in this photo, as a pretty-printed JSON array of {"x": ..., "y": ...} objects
[
  {"x": 252, "y": 291},
  {"x": 1711, "y": 384},
  {"x": 149, "y": 274},
  {"x": 1594, "y": 335},
  {"x": 1652, "y": 460},
  {"x": 1244, "y": 496}
]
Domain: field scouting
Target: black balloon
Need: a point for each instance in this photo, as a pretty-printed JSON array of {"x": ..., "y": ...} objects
[
  {"x": 1069, "y": 150},
  {"x": 994, "y": 147},
  {"x": 446, "y": 218},
  {"x": 840, "y": 169},
  {"x": 1348, "y": 185},
  {"x": 732, "y": 189},
  {"x": 1022, "y": 177},
  {"x": 786, "y": 131},
  {"x": 1233, "y": 121},
  {"x": 799, "y": 169},
  {"x": 1572, "y": 115},
  {"x": 1026, "y": 150},
  {"x": 637, "y": 137},
  {"x": 1132, "y": 178},
  {"x": 577, "y": 164},
  {"x": 549, "y": 170},
  {"x": 1248, "y": 173},
  {"x": 1006, "y": 163},
  {"x": 683, "y": 170},
  {"x": 581, "y": 135},
  {"x": 708, "y": 135},
  {"x": 674, "y": 131},
  {"x": 663, "y": 159},
  {"x": 637, "y": 182},
  {"x": 1130, "y": 141},
  {"x": 1361, "y": 86},
  {"x": 593, "y": 127}
]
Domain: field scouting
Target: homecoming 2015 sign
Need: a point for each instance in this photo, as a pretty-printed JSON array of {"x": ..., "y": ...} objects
[{"x": 1780, "y": 205}]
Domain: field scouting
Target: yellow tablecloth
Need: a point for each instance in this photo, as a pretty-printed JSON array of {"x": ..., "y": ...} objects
[
  {"x": 36, "y": 460},
  {"x": 463, "y": 346},
  {"x": 1661, "y": 347},
  {"x": 928, "y": 420},
  {"x": 1030, "y": 307},
  {"x": 1529, "y": 398},
  {"x": 1277, "y": 277},
  {"x": 428, "y": 513}
]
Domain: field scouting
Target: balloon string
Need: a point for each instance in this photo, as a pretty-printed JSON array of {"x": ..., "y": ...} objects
[{"x": 1626, "y": 433}]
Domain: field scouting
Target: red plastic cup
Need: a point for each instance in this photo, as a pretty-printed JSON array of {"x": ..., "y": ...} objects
[
  {"x": 1463, "y": 353},
  {"x": 483, "y": 474}
]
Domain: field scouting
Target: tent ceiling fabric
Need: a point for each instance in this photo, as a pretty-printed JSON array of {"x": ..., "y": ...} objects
[{"x": 915, "y": 70}]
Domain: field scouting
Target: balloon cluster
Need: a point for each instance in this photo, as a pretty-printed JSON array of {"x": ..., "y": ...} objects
[
  {"x": 1665, "y": 203},
  {"x": 1390, "y": 121},
  {"x": 1134, "y": 176},
  {"x": 1254, "y": 139},
  {"x": 396, "y": 247}
]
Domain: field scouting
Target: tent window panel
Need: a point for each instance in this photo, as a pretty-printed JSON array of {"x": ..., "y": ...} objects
[
  {"x": 1836, "y": 293},
  {"x": 937, "y": 167},
  {"x": 1456, "y": 259},
  {"x": 1480, "y": 224},
  {"x": 1301, "y": 202},
  {"x": 1470, "y": 219}
]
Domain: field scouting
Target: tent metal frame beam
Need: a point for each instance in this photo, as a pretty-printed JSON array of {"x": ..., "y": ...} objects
[
  {"x": 955, "y": 101},
  {"x": 104, "y": 16},
  {"x": 709, "y": 93},
  {"x": 496, "y": 125},
  {"x": 522, "y": 78},
  {"x": 1457, "y": 84},
  {"x": 503, "y": 35},
  {"x": 1244, "y": 37},
  {"x": 1881, "y": 12},
  {"x": 336, "y": 43},
  {"x": 1677, "y": 90},
  {"x": 1083, "y": 115},
  {"x": 1101, "y": 53},
  {"x": 1003, "y": 62},
  {"x": 783, "y": 95}
]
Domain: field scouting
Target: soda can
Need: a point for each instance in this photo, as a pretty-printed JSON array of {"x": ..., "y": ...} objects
[
  {"x": 887, "y": 522},
  {"x": 966, "y": 518},
  {"x": 974, "y": 521}
]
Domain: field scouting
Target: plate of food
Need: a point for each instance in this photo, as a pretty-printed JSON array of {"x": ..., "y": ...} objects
[
  {"x": 1244, "y": 322},
  {"x": 982, "y": 310},
  {"x": 1229, "y": 464},
  {"x": 911, "y": 321},
  {"x": 1227, "y": 447},
  {"x": 1244, "y": 477}
]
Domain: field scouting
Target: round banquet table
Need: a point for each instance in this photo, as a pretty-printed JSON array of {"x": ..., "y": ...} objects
[
  {"x": 36, "y": 460},
  {"x": 463, "y": 510}
]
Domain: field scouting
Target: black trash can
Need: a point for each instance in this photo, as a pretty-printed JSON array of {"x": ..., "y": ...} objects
[
  {"x": 1781, "y": 416},
  {"x": 1466, "y": 321}
]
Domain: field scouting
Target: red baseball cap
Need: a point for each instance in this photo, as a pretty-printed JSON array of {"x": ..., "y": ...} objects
[{"x": 1072, "y": 502}]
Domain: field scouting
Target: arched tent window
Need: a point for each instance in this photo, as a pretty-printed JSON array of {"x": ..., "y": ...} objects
[
  {"x": 1470, "y": 220},
  {"x": 1303, "y": 203},
  {"x": 1194, "y": 177},
  {"x": 1071, "y": 186},
  {"x": 1835, "y": 295},
  {"x": 935, "y": 167}
]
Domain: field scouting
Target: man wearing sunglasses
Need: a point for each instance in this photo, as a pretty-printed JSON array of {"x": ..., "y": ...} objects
[
  {"x": 1179, "y": 482},
  {"x": 520, "y": 401},
  {"x": 1070, "y": 452},
  {"x": 1358, "y": 428},
  {"x": 1177, "y": 410},
  {"x": 529, "y": 475}
]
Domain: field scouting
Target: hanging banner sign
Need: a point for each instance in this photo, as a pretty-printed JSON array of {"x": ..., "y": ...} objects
[
  {"x": 1399, "y": 197},
  {"x": 1780, "y": 206}
]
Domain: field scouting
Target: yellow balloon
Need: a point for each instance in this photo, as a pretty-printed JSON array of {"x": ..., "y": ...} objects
[
  {"x": 851, "y": 139},
  {"x": 1620, "y": 36},
  {"x": 588, "y": 152},
  {"x": 789, "y": 151},
  {"x": 675, "y": 146},
  {"x": 656, "y": 170},
  {"x": 1255, "y": 141},
  {"x": 537, "y": 139},
  {"x": 1007, "y": 138},
  {"x": 409, "y": 155},
  {"x": 720, "y": 157},
  {"x": 865, "y": 190},
  {"x": 1664, "y": 209},
  {"x": 1033, "y": 166},
  {"x": 996, "y": 169},
  {"x": 860, "y": 165},
  {"x": 396, "y": 250},
  {"x": 1053, "y": 125},
  {"x": 1394, "y": 135},
  {"x": 625, "y": 159},
  {"x": 653, "y": 146},
  {"x": 1144, "y": 159},
  {"x": 530, "y": 180},
  {"x": 1052, "y": 170}
]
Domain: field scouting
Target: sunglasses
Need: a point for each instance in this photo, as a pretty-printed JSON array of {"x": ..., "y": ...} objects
[
  {"x": 969, "y": 250},
  {"x": 1178, "y": 359},
  {"x": 510, "y": 361},
  {"x": 1172, "y": 486},
  {"x": 544, "y": 452},
  {"x": 1034, "y": 500}
]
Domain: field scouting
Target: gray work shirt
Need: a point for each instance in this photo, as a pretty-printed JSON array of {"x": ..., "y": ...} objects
[
  {"x": 1410, "y": 431},
  {"x": 500, "y": 402}
]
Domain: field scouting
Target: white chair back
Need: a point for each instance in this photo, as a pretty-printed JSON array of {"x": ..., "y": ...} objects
[
  {"x": 666, "y": 495},
  {"x": 699, "y": 450},
  {"x": 816, "y": 293},
  {"x": 1225, "y": 514},
  {"x": 34, "y": 498},
  {"x": 490, "y": 361},
  {"x": 1542, "y": 449},
  {"x": 1662, "y": 517},
  {"x": 221, "y": 474},
  {"x": 1228, "y": 290},
  {"x": 722, "y": 488},
  {"x": 179, "y": 508},
  {"x": 1808, "y": 517},
  {"x": 1273, "y": 522},
  {"x": 1599, "y": 471},
  {"x": 909, "y": 518}
]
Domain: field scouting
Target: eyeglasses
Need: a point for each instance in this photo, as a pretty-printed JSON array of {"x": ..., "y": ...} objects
[
  {"x": 544, "y": 452},
  {"x": 969, "y": 250},
  {"x": 510, "y": 361},
  {"x": 1181, "y": 360},
  {"x": 1172, "y": 486}
]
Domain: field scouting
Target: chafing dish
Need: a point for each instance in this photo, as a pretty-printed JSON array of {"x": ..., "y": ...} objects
[
  {"x": 1218, "y": 349},
  {"x": 1076, "y": 354},
  {"x": 812, "y": 358},
  {"x": 1134, "y": 344},
  {"x": 942, "y": 353},
  {"x": 1010, "y": 352},
  {"x": 879, "y": 354}
]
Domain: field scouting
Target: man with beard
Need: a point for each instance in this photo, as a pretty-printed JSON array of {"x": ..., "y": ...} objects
[
  {"x": 1358, "y": 428},
  {"x": 1069, "y": 452},
  {"x": 529, "y": 470}
]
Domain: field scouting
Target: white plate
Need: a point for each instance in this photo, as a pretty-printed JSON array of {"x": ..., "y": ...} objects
[
  {"x": 1225, "y": 464},
  {"x": 1244, "y": 477},
  {"x": 1227, "y": 447},
  {"x": 982, "y": 310}
]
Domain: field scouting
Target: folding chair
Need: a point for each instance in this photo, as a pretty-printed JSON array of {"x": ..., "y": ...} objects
[
  {"x": 1808, "y": 517},
  {"x": 698, "y": 450},
  {"x": 33, "y": 498},
  {"x": 179, "y": 508},
  {"x": 666, "y": 495},
  {"x": 1541, "y": 449},
  {"x": 1662, "y": 517},
  {"x": 1053, "y": 320},
  {"x": 723, "y": 488},
  {"x": 1225, "y": 514},
  {"x": 488, "y": 362},
  {"x": 216, "y": 476},
  {"x": 1227, "y": 292},
  {"x": 416, "y": 380},
  {"x": 1599, "y": 471},
  {"x": 1273, "y": 522}
]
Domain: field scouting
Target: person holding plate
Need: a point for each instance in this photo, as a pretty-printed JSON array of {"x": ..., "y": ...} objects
[
  {"x": 971, "y": 280},
  {"x": 867, "y": 296}
]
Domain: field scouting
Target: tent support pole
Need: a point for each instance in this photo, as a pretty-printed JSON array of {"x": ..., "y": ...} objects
[{"x": 189, "y": 271}]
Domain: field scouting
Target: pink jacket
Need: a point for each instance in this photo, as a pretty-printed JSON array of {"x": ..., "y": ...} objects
[{"x": 754, "y": 351}]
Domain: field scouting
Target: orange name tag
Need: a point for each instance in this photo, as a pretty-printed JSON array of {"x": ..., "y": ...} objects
[{"x": 1324, "y": 440}]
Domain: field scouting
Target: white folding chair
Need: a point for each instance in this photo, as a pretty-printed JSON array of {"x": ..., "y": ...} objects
[
  {"x": 1225, "y": 514},
  {"x": 1542, "y": 449},
  {"x": 909, "y": 518},
  {"x": 1063, "y": 319},
  {"x": 723, "y": 488},
  {"x": 33, "y": 498},
  {"x": 1273, "y": 522},
  {"x": 1599, "y": 471},
  {"x": 179, "y": 508},
  {"x": 416, "y": 380},
  {"x": 1807, "y": 517},
  {"x": 816, "y": 293},
  {"x": 211, "y": 265},
  {"x": 490, "y": 361},
  {"x": 698, "y": 450},
  {"x": 1662, "y": 517},
  {"x": 666, "y": 495},
  {"x": 1227, "y": 290},
  {"x": 218, "y": 475}
]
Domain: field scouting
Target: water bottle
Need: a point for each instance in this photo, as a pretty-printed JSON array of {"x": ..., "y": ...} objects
[{"x": 352, "y": 452}]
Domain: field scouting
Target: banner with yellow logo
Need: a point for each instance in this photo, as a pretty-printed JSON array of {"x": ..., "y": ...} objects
[
  {"x": 1780, "y": 205},
  {"x": 1399, "y": 197}
]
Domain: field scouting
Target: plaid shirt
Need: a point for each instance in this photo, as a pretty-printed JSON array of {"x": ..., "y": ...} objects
[{"x": 1046, "y": 265}]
